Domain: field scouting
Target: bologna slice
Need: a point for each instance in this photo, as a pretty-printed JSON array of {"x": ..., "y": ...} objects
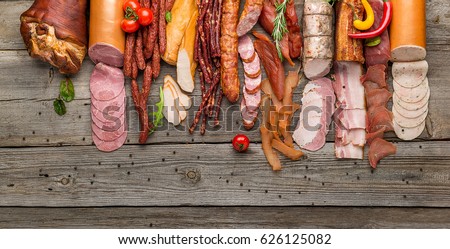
[
  {"x": 107, "y": 133},
  {"x": 409, "y": 74},
  {"x": 409, "y": 122},
  {"x": 106, "y": 82},
  {"x": 412, "y": 95},
  {"x": 410, "y": 133},
  {"x": 411, "y": 106},
  {"x": 113, "y": 104}
]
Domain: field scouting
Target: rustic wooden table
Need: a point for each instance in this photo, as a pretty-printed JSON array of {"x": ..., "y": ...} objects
[{"x": 52, "y": 176}]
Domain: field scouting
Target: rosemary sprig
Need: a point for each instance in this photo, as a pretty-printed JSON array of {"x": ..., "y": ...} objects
[{"x": 279, "y": 25}]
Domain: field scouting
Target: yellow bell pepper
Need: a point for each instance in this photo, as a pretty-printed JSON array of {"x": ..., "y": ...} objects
[{"x": 370, "y": 17}]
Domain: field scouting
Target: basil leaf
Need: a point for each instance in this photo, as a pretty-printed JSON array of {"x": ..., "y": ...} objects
[
  {"x": 158, "y": 115},
  {"x": 59, "y": 106},
  {"x": 372, "y": 42},
  {"x": 168, "y": 16},
  {"x": 66, "y": 90}
]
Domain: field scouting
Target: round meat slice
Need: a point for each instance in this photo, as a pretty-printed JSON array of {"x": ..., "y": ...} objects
[
  {"x": 108, "y": 123},
  {"x": 406, "y": 133},
  {"x": 108, "y": 116},
  {"x": 408, "y": 122},
  {"x": 316, "y": 68},
  {"x": 106, "y": 82},
  {"x": 410, "y": 113},
  {"x": 252, "y": 85},
  {"x": 105, "y": 134},
  {"x": 412, "y": 95},
  {"x": 248, "y": 116},
  {"x": 411, "y": 106},
  {"x": 113, "y": 104},
  {"x": 252, "y": 101},
  {"x": 245, "y": 48},
  {"x": 254, "y": 67},
  {"x": 409, "y": 74},
  {"x": 108, "y": 146}
]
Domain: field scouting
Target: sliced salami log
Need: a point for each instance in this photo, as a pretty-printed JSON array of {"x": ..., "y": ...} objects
[
  {"x": 254, "y": 67},
  {"x": 248, "y": 116},
  {"x": 106, "y": 82},
  {"x": 245, "y": 48},
  {"x": 252, "y": 100},
  {"x": 109, "y": 146},
  {"x": 252, "y": 85}
]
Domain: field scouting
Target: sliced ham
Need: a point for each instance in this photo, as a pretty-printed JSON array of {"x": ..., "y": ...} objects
[
  {"x": 380, "y": 149},
  {"x": 106, "y": 133},
  {"x": 315, "y": 116},
  {"x": 107, "y": 115},
  {"x": 113, "y": 104},
  {"x": 381, "y": 53},
  {"x": 409, "y": 74},
  {"x": 106, "y": 82},
  {"x": 108, "y": 121},
  {"x": 109, "y": 146}
]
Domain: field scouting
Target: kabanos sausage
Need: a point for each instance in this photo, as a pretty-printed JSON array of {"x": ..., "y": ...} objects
[
  {"x": 408, "y": 30},
  {"x": 106, "y": 38},
  {"x": 229, "y": 49}
]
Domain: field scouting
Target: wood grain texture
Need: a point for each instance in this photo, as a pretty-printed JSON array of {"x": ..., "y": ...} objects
[
  {"x": 225, "y": 217},
  {"x": 214, "y": 175}
]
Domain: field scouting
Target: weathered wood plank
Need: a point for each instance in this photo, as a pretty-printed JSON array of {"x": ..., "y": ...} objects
[
  {"x": 173, "y": 175},
  {"x": 225, "y": 217}
]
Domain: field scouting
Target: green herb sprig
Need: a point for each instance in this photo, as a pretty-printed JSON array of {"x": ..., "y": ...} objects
[
  {"x": 158, "y": 115},
  {"x": 279, "y": 25}
]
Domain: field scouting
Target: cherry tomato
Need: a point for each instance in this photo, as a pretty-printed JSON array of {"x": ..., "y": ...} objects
[
  {"x": 241, "y": 142},
  {"x": 145, "y": 16},
  {"x": 129, "y": 25},
  {"x": 132, "y": 4}
]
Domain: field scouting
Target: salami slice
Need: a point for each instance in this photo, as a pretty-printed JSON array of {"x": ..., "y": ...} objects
[{"x": 106, "y": 82}]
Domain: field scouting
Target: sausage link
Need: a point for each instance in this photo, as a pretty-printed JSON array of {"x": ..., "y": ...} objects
[
  {"x": 162, "y": 27},
  {"x": 128, "y": 55},
  {"x": 139, "y": 52},
  {"x": 156, "y": 62},
  {"x": 152, "y": 31}
]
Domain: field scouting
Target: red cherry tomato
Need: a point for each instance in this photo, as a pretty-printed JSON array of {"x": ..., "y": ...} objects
[
  {"x": 241, "y": 142},
  {"x": 132, "y": 4},
  {"x": 145, "y": 16},
  {"x": 129, "y": 25}
]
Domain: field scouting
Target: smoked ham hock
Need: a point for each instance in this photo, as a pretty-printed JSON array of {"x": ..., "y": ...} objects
[{"x": 55, "y": 31}]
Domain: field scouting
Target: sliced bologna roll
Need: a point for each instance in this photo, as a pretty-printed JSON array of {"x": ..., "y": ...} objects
[
  {"x": 109, "y": 146},
  {"x": 408, "y": 30},
  {"x": 406, "y": 133},
  {"x": 315, "y": 116},
  {"x": 106, "y": 38}
]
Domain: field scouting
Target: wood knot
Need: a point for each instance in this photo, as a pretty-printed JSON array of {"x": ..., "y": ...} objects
[
  {"x": 192, "y": 175},
  {"x": 65, "y": 181}
]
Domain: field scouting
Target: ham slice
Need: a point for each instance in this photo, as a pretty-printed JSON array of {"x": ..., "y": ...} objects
[
  {"x": 380, "y": 149},
  {"x": 315, "y": 117},
  {"x": 109, "y": 146},
  {"x": 106, "y": 82}
]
